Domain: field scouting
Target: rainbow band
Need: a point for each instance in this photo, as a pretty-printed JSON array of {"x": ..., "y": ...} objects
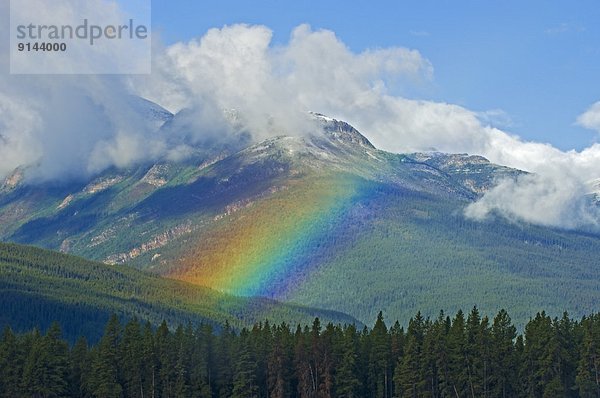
[{"x": 272, "y": 246}]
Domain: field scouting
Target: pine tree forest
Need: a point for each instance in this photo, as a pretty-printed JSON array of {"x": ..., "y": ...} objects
[{"x": 468, "y": 355}]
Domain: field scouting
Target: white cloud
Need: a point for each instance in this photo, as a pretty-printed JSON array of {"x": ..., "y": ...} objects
[
  {"x": 555, "y": 195},
  {"x": 56, "y": 126},
  {"x": 52, "y": 125},
  {"x": 17, "y": 126},
  {"x": 590, "y": 119},
  {"x": 549, "y": 199},
  {"x": 236, "y": 67}
]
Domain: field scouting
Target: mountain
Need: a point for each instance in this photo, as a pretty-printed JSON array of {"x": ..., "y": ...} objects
[
  {"x": 323, "y": 219},
  {"x": 40, "y": 286}
]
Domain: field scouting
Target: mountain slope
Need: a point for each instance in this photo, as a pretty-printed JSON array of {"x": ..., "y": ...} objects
[
  {"x": 358, "y": 246},
  {"x": 324, "y": 220},
  {"x": 38, "y": 286}
]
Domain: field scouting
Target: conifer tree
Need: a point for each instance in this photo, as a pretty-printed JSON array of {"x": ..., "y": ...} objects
[
  {"x": 397, "y": 342},
  {"x": 348, "y": 384},
  {"x": 57, "y": 365},
  {"x": 304, "y": 371},
  {"x": 201, "y": 374},
  {"x": 45, "y": 372},
  {"x": 324, "y": 361},
  {"x": 104, "y": 378},
  {"x": 225, "y": 358},
  {"x": 503, "y": 365},
  {"x": 149, "y": 363},
  {"x": 183, "y": 344},
  {"x": 566, "y": 355},
  {"x": 408, "y": 373},
  {"x": 364, "y": 349},
  {"x": 166, "y": 356},
  {"x": 79, "y": 363},
  {"x": 477, "y": 353},
  {"x": 11, "y": 365},
  {"x": 435, "y": 362},
  {"x": 538, "y": 354},
  {"x": 262, "y": 342},
  {"x": 520, "y": 382},
  {"x": 457, "y": 357},
  {"x": 315, "y": 357},
  {"x": 244, "y": 379},
  {"x": 279, "y": 364},
  {"x": 131, "y": 348},
  {"x": 588, "y": 370},
  {"x": 34, "y": 369},
  {"x": 380, "y": 379}
]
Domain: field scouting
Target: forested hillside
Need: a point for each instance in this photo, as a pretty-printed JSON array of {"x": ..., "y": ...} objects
[
  {"x": 39, "y": 286},
  {"x": 356, "y": 246},
  {"x": 464, "y": 356}
]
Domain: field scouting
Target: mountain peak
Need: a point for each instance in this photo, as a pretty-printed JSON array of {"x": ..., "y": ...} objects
[
  {"x": 342, "y": 131},
  {"x": 12, "y": 180},
  {"x": 150, "y": 110}
]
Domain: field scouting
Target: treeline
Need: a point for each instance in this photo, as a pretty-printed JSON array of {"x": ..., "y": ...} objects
[{"x": 468, "y": 356}]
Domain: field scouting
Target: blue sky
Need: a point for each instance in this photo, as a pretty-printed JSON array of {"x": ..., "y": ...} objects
[{"x": 538, "y": 61}]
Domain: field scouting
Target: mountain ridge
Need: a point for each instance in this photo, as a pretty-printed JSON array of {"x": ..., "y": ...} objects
[{"x": 308, "y": 218}]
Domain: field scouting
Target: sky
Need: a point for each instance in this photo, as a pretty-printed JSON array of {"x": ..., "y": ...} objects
[
  {"x": 531, "y": 66},
  {"x": 516, "y": 82}
]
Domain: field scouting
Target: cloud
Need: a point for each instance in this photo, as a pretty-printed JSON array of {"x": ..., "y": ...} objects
[
  {"x": 74, "y": 126},
  {"x": 58, "y": 127},
  {"x": 18, "y": 144},
  {"x": 236, "y": 67},
  {"x": 70, "y": 127},
  {"x": 549, "y": 199},
  {"x": 590, "y": 119},
  {"x": 556, "y": 194}
]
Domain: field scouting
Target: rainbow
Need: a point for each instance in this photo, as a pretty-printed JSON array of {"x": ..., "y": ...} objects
[{"x": 269, "y": 248}]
